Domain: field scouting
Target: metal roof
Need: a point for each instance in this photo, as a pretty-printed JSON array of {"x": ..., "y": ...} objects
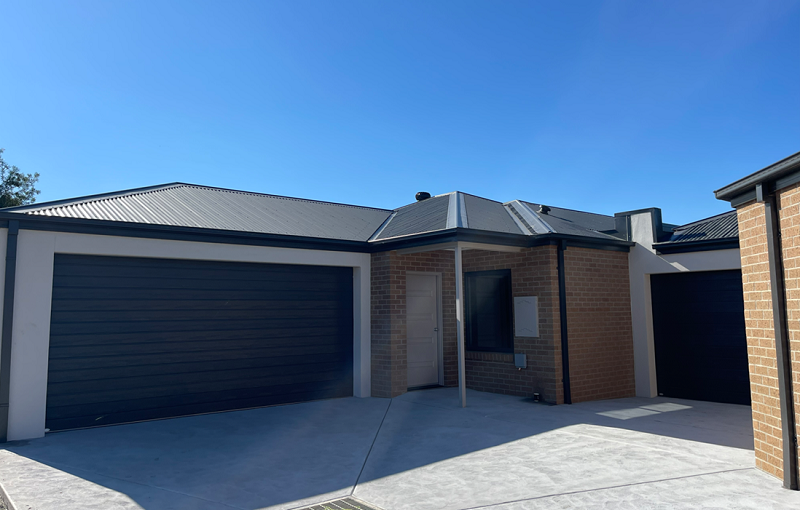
[
  {"x": 484, "y": 214},
  {"x": 591, "y": 221},
  {"x": 203, "y": 207},
  {"x": 723, "y": 226},
  {"x": 188, "y": 205},
  {"x": 425, "y": 216}
]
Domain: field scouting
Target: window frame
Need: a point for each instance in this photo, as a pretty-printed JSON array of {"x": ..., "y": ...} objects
[{"x": 507, "y": 330}]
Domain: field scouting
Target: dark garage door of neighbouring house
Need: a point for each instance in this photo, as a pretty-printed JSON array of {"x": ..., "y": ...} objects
[
  {"x": 700, "y": 342},
  {"x": 137, "y": 339}
]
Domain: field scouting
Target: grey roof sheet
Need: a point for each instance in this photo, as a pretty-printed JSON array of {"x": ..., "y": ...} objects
[
  {"x": 720, "y": 227},
  {"x": 591, "y": 221},
  {"x": 188, "y": 205},
  {"x": 484, "y": 214},
  {"x": 425, "y": 216}
]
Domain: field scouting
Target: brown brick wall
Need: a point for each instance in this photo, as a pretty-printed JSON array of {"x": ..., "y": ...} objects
[
  {"x": 759, "y": 324},
  {"x": 599, "y": 324},
  {"x": 790, "y": 242},
  {"x": 598, "y": 300},
  {"x": 534, "y": 272},
  {"x": 388, "y": 288}
]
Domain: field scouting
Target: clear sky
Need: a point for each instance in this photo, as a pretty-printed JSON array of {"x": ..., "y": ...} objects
[{"x": 599, "y": 106}]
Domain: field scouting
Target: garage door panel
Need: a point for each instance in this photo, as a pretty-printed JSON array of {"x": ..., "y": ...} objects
[
  {"x": 297, "y": 334},
  {"x": 700, "y": 339},
  {"x": 225, "y": 401},
  {"x": 93, "y": 396},
  {"x": 79, "y": 305},
  {"x": 71, "y": 293},
  {"x": 180, "y": 271},
  {"x": 189, "y": 326},
  {"x": 67, "y": 361},
  {"x": 122, "y": 284},
  {"x": 221, "y": 310},
  {"x": 98, "y": 389},
  {"x": 130, "y": 366},
  {"x": 222, "y": 335}
]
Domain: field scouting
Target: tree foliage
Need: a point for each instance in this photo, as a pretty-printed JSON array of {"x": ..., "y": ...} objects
[{"x": 16, "y": 188}]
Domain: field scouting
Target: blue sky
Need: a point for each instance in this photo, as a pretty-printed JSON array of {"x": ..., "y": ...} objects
[{"x": 599, "y": 106}]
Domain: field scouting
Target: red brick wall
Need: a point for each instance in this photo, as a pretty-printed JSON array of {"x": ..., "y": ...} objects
[
  {"x": 759, "y": 324},
  {"x": 534, "y": 272},
  {"x": 599, "y": 324}
]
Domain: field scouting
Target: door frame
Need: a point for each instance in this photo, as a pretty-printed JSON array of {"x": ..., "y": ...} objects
[{"x": 439, "y": 318}]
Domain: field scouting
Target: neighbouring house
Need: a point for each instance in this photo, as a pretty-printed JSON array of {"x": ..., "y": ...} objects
[
  {"x": 767, "y": 205},
  {"x": 182, "y": 299}
]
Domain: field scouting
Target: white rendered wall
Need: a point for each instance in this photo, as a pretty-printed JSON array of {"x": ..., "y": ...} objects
[
  {"x": 33, "y": 291},
  {"x": 643, "y": 261}
]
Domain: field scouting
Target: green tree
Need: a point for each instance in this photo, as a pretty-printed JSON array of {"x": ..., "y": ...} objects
[{"x": 16, "y": 188}]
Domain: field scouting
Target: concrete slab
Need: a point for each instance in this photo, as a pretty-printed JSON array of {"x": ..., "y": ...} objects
[
  {"x": 500, "y": 452},
  {"x": 277, "y": 457}
]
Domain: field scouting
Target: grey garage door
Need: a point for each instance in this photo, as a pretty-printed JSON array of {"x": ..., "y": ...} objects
[
  {"x": 137, "y": 339},
  {"x": 700, "y": 341}
]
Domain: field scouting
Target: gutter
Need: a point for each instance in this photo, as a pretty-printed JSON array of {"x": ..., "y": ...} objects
[
  {"x": 774, "y": 177},
  {"x": 692, "y": 246},
  {"x": 8, "y": 324},
  {"x": 782, "y": 347}
]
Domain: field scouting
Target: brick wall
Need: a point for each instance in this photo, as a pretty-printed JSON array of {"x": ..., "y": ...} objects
[
  {"x": 759, "y": 324},
  {"x": 534, "y": 272},
  {"x": 598, "y": 300},
  {"x": 790, "y": 243},
  {"x": 599, "y": 324},
  {"x": 388, "y": 315}
]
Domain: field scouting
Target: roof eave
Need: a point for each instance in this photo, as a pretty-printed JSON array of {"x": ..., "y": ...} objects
[
  {"x": 777, "y": 175},
  {"x": 666, "y": 248}
]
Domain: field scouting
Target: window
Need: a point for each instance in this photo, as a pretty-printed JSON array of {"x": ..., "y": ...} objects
[{"x": 488, "y": 311}]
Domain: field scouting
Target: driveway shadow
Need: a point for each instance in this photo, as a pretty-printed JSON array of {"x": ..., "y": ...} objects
[{"x": 428, "y": 447}]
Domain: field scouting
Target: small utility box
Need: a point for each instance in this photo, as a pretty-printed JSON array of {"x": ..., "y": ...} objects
[{"x": 526, "y": 316}]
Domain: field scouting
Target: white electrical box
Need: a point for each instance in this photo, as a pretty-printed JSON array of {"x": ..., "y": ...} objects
[{"x": 526, "y": 316}]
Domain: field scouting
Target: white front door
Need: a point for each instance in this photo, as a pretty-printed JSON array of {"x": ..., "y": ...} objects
[{"x": 422, "y": 330}]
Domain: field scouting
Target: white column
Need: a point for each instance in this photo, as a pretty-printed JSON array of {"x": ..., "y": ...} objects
[{"x": 462, "y": 382}]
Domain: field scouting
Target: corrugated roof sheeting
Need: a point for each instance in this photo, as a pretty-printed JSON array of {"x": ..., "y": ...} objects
[
  {"x": 213, "y": 208},
  {"x": 425, "y": 216},
  {"x": 723, "y": 226},
  {"x": 483, "y": 214},
  {"x": 592, "y": 221}
]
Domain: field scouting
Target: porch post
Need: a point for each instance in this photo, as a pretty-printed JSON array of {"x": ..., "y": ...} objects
[{"x": 462, "y": 383}]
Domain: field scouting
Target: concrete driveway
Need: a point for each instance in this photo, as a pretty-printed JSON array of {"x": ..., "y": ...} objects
[{"x": 419, "y": 451}]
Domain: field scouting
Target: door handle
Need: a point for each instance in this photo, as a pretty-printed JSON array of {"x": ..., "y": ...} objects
[{"x": 436, "y": 329}]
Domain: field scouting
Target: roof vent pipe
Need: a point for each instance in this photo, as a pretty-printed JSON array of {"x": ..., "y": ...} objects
[
  {"x": 543, "y": 209},
  {"x": 422, "y": 195}
]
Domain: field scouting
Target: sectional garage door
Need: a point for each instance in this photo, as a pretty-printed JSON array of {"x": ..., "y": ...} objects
[
  {"x": 699, "y": 332},
  {"x": 138, "y": 339}
]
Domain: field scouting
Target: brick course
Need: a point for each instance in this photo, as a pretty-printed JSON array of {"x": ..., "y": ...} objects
[
  {"x": 534, "y": 272},
  {"x": 759, "y": 320},
  {"x": 599, "y": 318},
  {"x": 599, "y": 324}
]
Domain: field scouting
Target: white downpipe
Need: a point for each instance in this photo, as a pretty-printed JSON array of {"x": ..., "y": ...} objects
[{"x": 462, "y": 382}]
